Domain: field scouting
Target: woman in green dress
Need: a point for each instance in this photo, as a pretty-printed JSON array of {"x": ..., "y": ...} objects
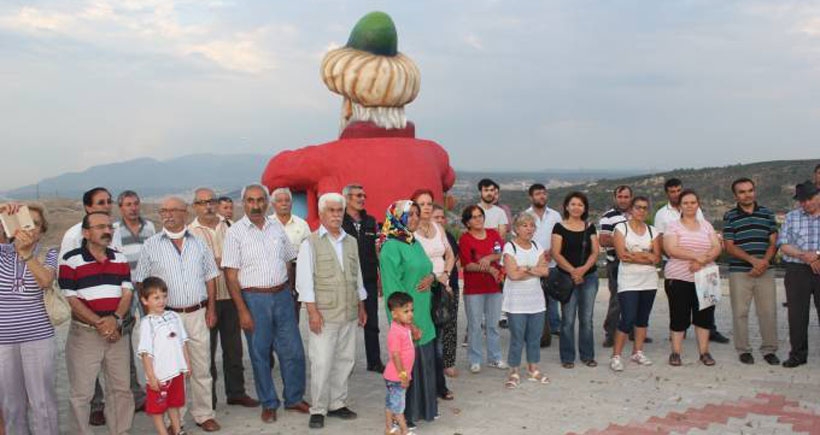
[{"x": 405, "y": 267}]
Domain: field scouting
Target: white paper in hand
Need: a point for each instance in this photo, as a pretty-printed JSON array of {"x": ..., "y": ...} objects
[{"x": 21, "y": 219}]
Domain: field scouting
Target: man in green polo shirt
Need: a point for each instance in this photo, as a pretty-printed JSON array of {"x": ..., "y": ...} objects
[{"x": 750, "y": 236}]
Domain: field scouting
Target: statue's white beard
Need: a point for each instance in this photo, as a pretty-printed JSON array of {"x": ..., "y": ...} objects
[{"x": 385, "y": 117}]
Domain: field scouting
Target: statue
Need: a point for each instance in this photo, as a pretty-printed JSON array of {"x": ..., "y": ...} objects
[{"x": 377, "y": 146}]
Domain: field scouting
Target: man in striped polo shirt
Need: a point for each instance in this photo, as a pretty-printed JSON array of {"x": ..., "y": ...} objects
[
  {"x": 614, "y": 216},
  {"x": 97, "y": 284},
  {"x": 187, "y": 265},
  {"x": 130, "y": 232},
  {"x": 750, "y": 238}
]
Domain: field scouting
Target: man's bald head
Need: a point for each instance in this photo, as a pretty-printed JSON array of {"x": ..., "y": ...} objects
[{"x": 173, "y": 211}]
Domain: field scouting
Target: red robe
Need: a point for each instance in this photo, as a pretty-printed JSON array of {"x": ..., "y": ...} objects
[{"x": 389, "y": 164}]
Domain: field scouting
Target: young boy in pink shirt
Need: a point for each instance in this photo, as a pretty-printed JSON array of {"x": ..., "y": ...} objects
[{"x": 400, "y": 365}]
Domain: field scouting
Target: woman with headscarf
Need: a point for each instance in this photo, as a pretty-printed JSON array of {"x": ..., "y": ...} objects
[{"x": 405, "y": 267}]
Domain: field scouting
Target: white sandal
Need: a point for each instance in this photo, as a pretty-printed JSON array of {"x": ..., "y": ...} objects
[
  {"x": 539, "y": 377},
  {"x": 513, "y": 381}
]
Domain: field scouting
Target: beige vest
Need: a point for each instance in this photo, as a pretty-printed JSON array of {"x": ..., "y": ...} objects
[{"x": 336, "y": 290}]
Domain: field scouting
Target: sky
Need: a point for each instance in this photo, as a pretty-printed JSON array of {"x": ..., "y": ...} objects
[{"x": 505, "y": 85}]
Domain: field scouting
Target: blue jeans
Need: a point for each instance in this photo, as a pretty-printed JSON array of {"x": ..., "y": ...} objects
[
  {"x": 525, "y": 330},
  {"x": 635, "y": 309},
  {"x": 553, "y": 309},
  {"x": 580, "y": 304},
  {"x": 275, "y": 329},
  {"x": 486, "y": 307}
]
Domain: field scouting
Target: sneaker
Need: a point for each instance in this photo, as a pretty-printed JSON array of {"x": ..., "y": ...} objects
[
  {"x": 640, "y": 358},
  {"x": 475, "y": 368},
  {"x": 498, "y": 364},
  {"x": 615, "y": 363}
]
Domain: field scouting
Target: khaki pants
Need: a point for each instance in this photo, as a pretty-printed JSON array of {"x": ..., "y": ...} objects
[
  {"x": 742, "y": 289},
  {"x": 200, "y": 383},
  {"x": 86, "y": 354},
  {"x": 332, "y": 355}
]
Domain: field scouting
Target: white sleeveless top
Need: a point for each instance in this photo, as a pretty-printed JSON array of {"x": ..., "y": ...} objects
[{"x": 435, "y": 248}]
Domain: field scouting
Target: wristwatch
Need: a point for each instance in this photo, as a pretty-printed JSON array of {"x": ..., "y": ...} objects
[{"x": 118, "y": 319}]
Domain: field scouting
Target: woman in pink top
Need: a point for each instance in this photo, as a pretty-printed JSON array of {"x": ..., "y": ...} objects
[{"x": 690, "y": 244}]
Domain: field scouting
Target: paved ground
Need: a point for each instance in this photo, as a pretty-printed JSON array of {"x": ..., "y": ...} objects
[{"x": 727, "y": 398}]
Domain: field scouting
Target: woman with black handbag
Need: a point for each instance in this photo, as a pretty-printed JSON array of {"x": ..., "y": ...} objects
[
  {"x": 434, "y": 241},
  {"x": 575, "y": 249}
]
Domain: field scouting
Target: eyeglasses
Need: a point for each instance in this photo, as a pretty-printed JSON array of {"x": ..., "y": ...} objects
[
  {"x": 101, "y": 227},
  {"x": 640, "y": 207},
  {"x": 205, "y": 202},
  {"x": 104, "y": 202},
  {"x": 359, "y": 195},
  {"x": 171, "y": 210}
]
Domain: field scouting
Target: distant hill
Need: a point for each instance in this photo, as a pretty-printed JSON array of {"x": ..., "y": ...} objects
[
  {"x": 152, "y": 178},
  {"x": 775, "y": 182}
]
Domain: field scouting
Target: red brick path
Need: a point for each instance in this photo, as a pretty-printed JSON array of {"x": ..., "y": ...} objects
[{"x": 788, "y": 412}]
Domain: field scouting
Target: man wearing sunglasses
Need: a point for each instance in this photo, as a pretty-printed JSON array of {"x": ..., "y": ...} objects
[
  {"x": 363, "y": 227},
  {"x": 94, "y": 200}
]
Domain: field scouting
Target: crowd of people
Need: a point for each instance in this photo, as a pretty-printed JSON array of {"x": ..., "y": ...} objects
[{"x": 196, "y": 283}]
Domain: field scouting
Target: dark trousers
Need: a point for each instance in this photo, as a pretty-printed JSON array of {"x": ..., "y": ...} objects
[
  {"x": 371, "y": 328},
  {"x": 230, "y": 339},
  {"x": 613, "y": 313},
  {"x": 801, "y": 284}
]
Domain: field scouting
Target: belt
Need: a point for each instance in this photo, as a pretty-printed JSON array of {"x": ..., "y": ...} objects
[
  {"x": 274, "y": 289},
  {"x": 190, "y": 309},
  {"x": 82, "y": 324}
]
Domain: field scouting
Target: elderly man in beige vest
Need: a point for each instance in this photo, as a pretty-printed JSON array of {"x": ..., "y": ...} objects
[{"x": 329, "y": 283}]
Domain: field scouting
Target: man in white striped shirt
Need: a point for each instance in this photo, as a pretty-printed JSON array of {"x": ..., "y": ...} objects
[
  {"x": 187, "y": 265},
  {"x": 254, "y": 259}
]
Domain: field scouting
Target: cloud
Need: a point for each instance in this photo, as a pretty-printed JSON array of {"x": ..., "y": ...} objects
[
  {"x": 473, "y": 41},
  {"x": 154, "y": 27}
]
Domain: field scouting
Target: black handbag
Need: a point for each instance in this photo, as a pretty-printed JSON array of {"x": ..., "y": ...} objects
[
  {"x": 559, "y": 285},
  {"x": 442, "y": 305}
]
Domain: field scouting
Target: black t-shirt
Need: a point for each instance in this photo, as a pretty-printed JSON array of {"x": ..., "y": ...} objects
[
  {"x": 573, "y": 242},
  {"x": 366, "y": 232}
]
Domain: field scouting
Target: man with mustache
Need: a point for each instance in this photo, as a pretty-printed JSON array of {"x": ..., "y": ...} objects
[
  {"x": 187, "y": 265},
  {"x": 211, "y": 229},
  {"x": 255, "y": 258},
  {"x": 96, "y": 282},
  {"x": 98, "y": 199},
  {"x": 329, "y": 282}
]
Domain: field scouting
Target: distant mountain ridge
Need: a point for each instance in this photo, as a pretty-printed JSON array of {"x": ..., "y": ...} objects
[
  {"x": 151, "y": 177},
  {"x": 775, "y": 181}
]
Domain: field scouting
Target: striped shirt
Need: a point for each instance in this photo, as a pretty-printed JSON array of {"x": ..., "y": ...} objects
[
  {"x": 98, "y": 285},
  {"x": 607, "y": 223},
  {"x": 23, "y": 314},
  {"x": 698, "y": 241},
  {"x": 185, "y": 271},
  {"x": 750, "y": 232},
  {"x": 130, "y": 243},
  {"x": 802, "y": 231},
  {"x": 259, "y": 254},
  {"x": 214, "y": 238}
]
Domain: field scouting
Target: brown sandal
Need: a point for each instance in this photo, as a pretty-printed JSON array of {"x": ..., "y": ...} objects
[
  {"x": 707, "y": 359},
  {"x": 674, "y": 359}
]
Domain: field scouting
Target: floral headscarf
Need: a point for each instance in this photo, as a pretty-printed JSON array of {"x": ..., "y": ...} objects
[{"x": 395, "y": 222}]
